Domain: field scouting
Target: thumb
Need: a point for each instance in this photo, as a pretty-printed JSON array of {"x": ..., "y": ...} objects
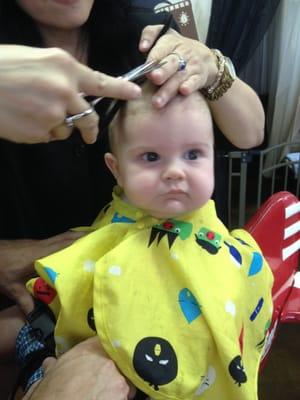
[{"x": 148, "y": 37}]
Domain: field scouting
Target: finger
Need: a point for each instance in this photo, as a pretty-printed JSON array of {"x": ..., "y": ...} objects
[
  {"x": 59, "y": 242},
  {"x": 88, "y": 346},
  {"x": 45, "y": 250},
  {"x": 23, "y": 298},
  {"x": 169, "y": 89},
  {"x": 61, "y": 132},
  {"x": 68, "y": 235},
  {"x": 165, "y": 45},
  {"x": 99, "y": 84},
  {"x": 48, "y": 363},
  {"x": 160, "y": 75},
  {"x": 148, "y": 36},
  {"x": 193, "y": 83},
  {"x": 88, "y": 125}
]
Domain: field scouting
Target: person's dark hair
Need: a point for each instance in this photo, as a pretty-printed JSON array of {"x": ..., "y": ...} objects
[{"x": 105, "y": 29}]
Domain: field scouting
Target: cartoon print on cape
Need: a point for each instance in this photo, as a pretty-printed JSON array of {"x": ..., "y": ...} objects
[
  {"x": 209, "y": 240},
  {"x": 236, "y": 370},
  {"x": 155, "y": 361},
  {"x": 43, "y": 291},
  {"x": 117, "y": 218},
  {"x": 257, "y": 309},
  {"x": 235, "y": 254},
  {"x": 172, "y": 228},
  {"x": 261, "y": 344},
  {"x": 189, "y": 305},
  {"x": 91, "y": 319}
]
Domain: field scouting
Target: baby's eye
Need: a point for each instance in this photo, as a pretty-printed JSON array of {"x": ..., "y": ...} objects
[
  {"x": 150, "y": 156},
  {"x": 193, "y": 154}
]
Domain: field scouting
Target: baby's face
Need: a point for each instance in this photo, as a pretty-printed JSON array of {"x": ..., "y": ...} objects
[{"x": 165, "y": 162}]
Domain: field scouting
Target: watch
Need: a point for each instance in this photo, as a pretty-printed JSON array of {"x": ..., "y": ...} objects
[{"x": 224, "y": 79}]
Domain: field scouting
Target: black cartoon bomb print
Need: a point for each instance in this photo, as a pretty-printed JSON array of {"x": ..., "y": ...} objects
[
  {"x": 237, "y": 371},
  {"x": 172, "y": 229},
  {"x": 91, "y": 319},
  {"x": 209, "y": 240},
  {"x": 155, "y": 361}
]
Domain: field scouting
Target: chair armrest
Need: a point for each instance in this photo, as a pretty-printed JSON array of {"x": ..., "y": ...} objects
[{"x": 291, "y": 309}]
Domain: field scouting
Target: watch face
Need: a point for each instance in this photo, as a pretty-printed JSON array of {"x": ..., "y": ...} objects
[{"x": 230, "y": 68}]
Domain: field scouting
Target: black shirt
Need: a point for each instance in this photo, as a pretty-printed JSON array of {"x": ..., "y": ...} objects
[{"x": 48, "y": 188}]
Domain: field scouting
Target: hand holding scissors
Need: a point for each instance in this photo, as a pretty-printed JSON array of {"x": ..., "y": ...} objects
[{"x": 133, "y": 75}]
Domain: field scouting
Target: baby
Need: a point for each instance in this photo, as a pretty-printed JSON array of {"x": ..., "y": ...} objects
[{"x": 181, "y": 305}]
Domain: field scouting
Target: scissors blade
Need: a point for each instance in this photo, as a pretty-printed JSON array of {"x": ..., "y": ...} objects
[
  {"x": 142, "y": 70},
  {"x": 135, "y": 74}
]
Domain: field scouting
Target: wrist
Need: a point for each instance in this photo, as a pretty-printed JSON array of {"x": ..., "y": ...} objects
[
  {"x": 223, "y": 79},
  {"x": 213, "y": 70}
]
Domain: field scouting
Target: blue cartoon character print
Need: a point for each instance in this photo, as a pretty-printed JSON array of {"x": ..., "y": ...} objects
[{"x": 189, "y": 305}]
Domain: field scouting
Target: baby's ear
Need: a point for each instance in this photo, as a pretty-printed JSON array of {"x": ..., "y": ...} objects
[{"x": 112, "y": 164}]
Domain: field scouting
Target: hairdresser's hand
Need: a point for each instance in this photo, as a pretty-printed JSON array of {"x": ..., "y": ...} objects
[
  {"x": 84, "y": 372},
  {"x": 39, "y": 87},
  {"x": 238, "y": 113},
  {"x": 17, "y": 263},
  {"x": 201, "y": 67}
]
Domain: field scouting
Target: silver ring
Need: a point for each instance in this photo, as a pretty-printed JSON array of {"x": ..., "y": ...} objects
[
  {"x": 69, "y": 120},
  {"x": 181, "y": 62}
]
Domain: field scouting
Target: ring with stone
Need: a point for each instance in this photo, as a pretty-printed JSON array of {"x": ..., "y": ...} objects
[
  {"x": 70, "y": 119},
  {"x": 181, "y": 62}
]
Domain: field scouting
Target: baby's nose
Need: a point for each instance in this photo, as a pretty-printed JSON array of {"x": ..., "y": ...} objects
[{"x": 173, "y": 171}]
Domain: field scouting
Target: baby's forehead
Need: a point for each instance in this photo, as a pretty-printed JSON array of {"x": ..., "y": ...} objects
[
  {"x": 176, "y": 129},
  {"x": 140, "y": 114},
  {"x": 179, "y": 111},
  {"x": 144, "y": 104}
]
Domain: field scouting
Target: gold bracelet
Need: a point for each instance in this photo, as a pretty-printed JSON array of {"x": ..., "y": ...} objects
[
  {"x": 220, "y": 66},
  {"x": 224, "y": 78}
]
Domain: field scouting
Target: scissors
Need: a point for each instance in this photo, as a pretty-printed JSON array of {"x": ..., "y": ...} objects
[{"x": 132, "y": 76}]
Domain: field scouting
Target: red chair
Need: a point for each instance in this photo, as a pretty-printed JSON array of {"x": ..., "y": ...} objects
[{"x": 276, "y": 228}]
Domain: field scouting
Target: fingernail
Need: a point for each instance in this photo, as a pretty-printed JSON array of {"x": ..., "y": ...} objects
[
  {"x": 137, "y": 91},
  {"x": 145, "y": 44},
  {"x": 158, "y": 101}
]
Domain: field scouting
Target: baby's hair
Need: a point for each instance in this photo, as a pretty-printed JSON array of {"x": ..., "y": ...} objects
[{"x": 143, "y": 105}]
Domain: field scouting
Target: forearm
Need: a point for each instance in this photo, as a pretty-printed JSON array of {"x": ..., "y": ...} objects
[
  {"x": 240, "y": 116},
  {"x": 17, "y": 263},
  {"x": 11, "y": 321}
]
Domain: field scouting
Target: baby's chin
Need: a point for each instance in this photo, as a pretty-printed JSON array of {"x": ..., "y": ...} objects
[{"x": 172, "y": 209}]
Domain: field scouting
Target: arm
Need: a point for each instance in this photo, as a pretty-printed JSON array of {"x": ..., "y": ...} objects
[
  {"x": 17, "y": 263},
  {"x": 84, "y": 372},
  {"x": 11, "y": 321},
  {"x": 238, "y": 113},
  {"x": 39, "y": 87},
  {"x": 240, "y": 116}
]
